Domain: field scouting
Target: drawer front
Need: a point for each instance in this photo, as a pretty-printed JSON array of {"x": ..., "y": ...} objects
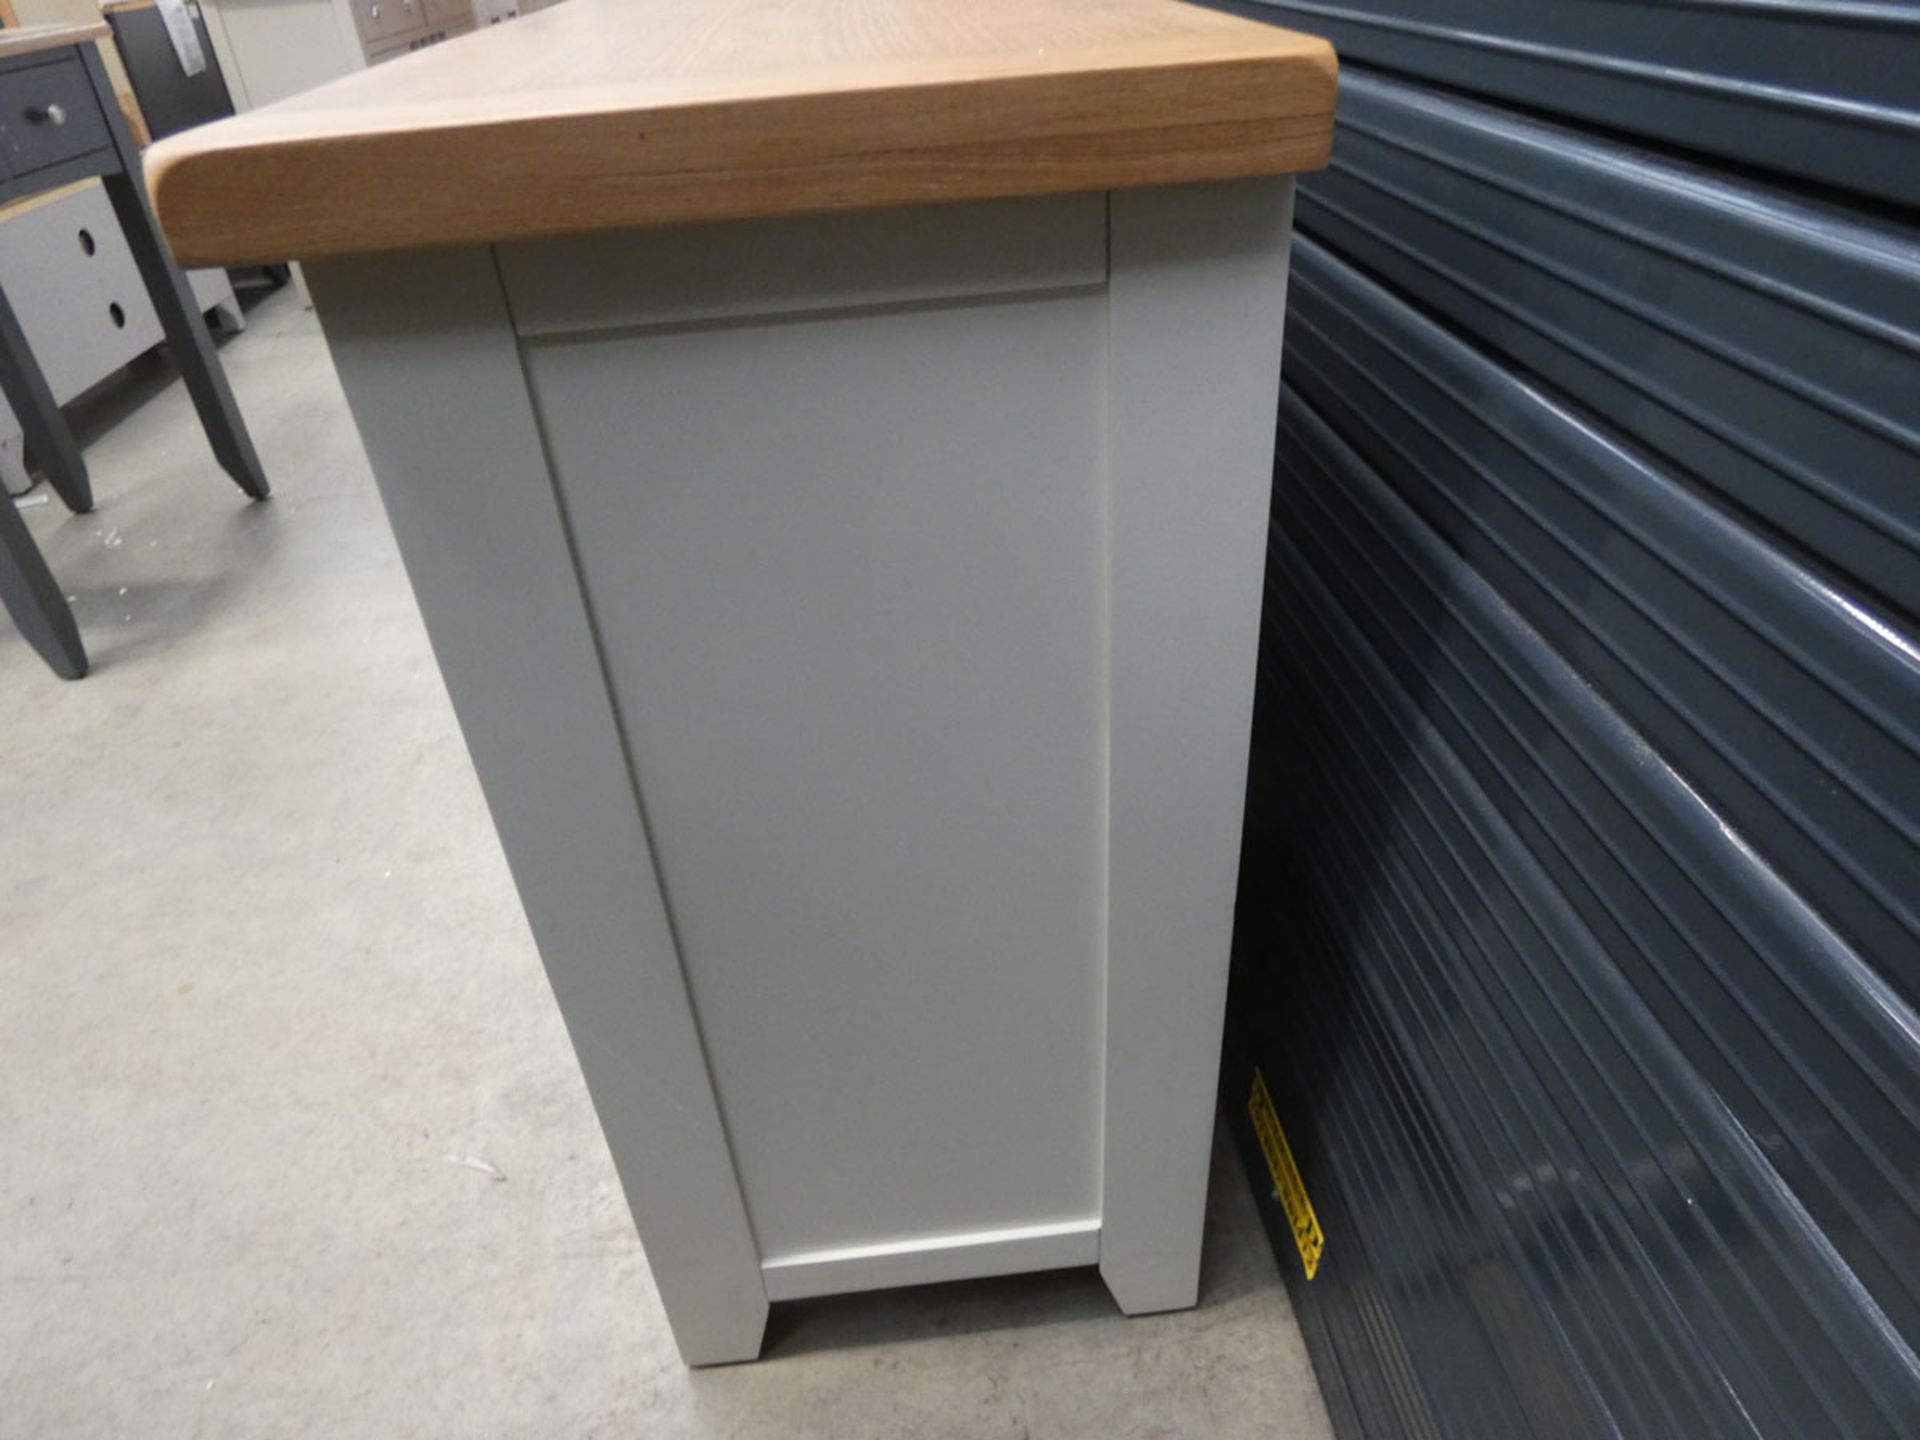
[{"x": 48, "y": 114}]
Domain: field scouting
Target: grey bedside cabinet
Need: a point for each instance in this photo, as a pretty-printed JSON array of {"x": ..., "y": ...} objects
[{"x": 59, "y": 122}]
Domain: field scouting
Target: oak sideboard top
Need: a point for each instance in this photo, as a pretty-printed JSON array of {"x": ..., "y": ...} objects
[{"x": 606, "y": 114}]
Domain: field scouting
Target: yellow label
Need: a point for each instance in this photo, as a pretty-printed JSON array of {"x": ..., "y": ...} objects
[{"x": 1286, "y": 1176}]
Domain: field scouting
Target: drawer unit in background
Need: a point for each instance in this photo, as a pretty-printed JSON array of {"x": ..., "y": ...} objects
[
  {"x": 379, "y": 21},
  {"x": 413, "y": 40},
  {"x": 60, "y": 123},
  {"x": 390, "y": 28},
  {"x": 271, "y": 49}
]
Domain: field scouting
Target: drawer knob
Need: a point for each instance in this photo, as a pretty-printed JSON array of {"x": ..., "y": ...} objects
[{"x": 47, "y": 114}]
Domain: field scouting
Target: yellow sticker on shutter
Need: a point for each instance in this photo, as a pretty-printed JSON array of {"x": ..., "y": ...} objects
[{"x": 1286, "y": 1176}]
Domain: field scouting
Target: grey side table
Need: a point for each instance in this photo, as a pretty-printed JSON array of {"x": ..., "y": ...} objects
[{"x": 59, "y": 122}]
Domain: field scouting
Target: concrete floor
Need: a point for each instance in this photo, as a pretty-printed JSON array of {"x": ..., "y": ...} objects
[{"x": 269, "y": 991}]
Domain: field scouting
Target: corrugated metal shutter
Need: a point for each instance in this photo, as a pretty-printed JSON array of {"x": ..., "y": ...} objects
[
  {"x": 1579, "y": 934},
  {"x": 1819, "y": 89}
]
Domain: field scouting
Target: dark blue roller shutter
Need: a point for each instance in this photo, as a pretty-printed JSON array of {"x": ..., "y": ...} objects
[{"x": 1579, "y": 928}]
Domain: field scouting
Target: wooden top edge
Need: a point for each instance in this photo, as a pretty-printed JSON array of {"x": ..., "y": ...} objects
[
  {"x": 602, "y": 114},
  {"x": 27, "y": 39}
]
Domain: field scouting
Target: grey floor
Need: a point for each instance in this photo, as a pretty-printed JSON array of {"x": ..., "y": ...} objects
[{"x": 291, "y": 1139}]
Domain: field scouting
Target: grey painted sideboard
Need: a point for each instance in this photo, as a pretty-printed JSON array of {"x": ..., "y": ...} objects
[
  {"x": 852, "y": 616},
  {"x": 862, "y": 665}
]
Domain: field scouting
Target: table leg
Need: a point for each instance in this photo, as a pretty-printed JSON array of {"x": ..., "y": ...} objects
[
  {"x": 32, "y": 596},
  {"x": 174, "y": 302},
  {"x": 41, "y": 422}
]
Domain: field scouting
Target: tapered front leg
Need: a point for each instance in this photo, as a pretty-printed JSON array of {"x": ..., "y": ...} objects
[
  {"x": 174, "y": 302},
  {"x": 32, "y": 596}
]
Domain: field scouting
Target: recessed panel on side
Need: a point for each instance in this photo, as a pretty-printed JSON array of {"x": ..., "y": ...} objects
[{"x": 849, "y": 575}]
